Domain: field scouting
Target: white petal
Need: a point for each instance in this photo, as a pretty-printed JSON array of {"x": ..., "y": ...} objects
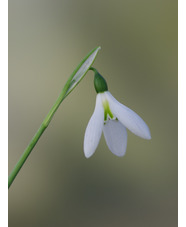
[
  {"x": 116, "y": 137},
  {"x": 128, "y": 118},
  {"x": 94, "y": 129}
]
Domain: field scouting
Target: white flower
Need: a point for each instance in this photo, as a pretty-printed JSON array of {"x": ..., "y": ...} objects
[{"x": 112, "y": 118}]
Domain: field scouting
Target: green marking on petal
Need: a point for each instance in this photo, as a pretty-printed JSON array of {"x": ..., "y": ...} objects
[{"x": 107, "y": 110}]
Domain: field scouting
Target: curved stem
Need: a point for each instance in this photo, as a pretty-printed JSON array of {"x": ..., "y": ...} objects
[
  {"x": 93, "y": 69},
  {"x": 71, "y": 83}
]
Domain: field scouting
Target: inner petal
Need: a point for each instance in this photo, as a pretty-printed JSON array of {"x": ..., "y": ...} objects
[
  {"x": 116, "y": 137},
  {"x": 107, "y": 112}
]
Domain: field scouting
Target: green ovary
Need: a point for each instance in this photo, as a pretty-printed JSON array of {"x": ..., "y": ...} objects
[{"x": 107, "y": 111}]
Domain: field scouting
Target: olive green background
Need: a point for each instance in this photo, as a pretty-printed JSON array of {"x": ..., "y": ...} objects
[{"x": 58, "y": 186}]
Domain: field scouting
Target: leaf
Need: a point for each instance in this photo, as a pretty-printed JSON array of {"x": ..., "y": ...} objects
[{"x": 81, "y": 70}]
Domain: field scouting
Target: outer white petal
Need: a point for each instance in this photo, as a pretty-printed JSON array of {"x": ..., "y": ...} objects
[
  {"x": 94, "y": 129},
  {"x": 116, "y": 137},
  {"x": 128, "y": 118}
]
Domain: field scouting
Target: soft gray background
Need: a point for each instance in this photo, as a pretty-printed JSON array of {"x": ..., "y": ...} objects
[{"x": 58, "y": 186}]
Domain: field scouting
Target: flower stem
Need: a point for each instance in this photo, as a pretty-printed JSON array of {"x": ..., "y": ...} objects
[
  {"x": 36, "y": 137},
  {"x": 25, "y": 155},
  {"x": 71, "y": 83}
]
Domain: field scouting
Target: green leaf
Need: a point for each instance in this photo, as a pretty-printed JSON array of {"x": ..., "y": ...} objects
[{"x": 81, "y": 70}]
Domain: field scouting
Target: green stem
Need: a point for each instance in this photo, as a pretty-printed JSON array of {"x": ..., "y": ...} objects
[
  {"x": 93, "y": 69},
  {"x": 36, "y": 137},
  {"x": 71, "y": 83}
]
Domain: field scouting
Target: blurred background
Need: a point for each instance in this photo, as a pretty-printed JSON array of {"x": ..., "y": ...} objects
[{"x": 58, "y": 186}]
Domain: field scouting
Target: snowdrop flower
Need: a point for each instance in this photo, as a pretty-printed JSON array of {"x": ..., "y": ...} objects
[{"x": 112, "y": 118}]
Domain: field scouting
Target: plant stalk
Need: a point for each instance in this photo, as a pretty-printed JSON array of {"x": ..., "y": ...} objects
[
  {"x": 36, "y": 137},
  {"x": 71, "y": 83}
]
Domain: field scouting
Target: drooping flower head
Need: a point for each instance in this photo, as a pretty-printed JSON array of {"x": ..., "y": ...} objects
[{"x": 112, "y": 118}]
